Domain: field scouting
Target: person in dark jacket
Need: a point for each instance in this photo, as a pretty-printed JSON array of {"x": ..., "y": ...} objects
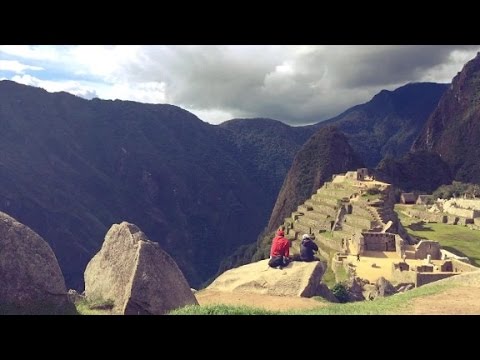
[
  {"x": 307, "y": 248},
  {"x": 280, "y": 251}
]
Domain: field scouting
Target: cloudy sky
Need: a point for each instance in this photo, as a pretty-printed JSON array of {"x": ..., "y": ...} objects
[{"x": 295, "y": 84}]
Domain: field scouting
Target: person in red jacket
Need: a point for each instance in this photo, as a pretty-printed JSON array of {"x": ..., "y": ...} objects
[{"x": 280, "y": 251}]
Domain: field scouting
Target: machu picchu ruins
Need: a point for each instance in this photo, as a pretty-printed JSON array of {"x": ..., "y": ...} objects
[{"x": 353, "y": 215}]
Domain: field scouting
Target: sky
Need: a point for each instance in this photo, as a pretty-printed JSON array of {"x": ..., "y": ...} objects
[{"x": 296, "y": 84}]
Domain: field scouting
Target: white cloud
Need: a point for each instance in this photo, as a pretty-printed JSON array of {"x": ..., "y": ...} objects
[
  {"x": 73, "y": 87},
  {"x": 295, "y": 84},
  {"x": 146, "y": 92},
  {"x": 213, "y": 116},
  {"x": 33, "y": 52},
  {"x": 17, "y": 67}
]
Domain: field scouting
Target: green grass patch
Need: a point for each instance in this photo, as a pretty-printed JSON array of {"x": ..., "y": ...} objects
[
  {"x": 458, "y": 239},
  {"x": 96, "y": 307},
  {"x": 328, "y": 277},
  {"x": 341, "y": 274},
  {"x": 221, "y": 309},
  {"x": 395, "y": 304}
]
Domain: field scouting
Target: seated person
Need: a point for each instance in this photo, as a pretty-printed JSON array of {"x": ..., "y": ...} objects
[
  {"x": 307, "y": 248},
  {"x": 280, "y": 251}
]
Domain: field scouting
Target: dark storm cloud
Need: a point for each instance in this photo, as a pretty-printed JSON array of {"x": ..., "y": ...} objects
[{"x": 293, "y": 84}]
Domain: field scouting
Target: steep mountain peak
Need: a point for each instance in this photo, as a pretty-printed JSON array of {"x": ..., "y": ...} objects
[
  {"x": 389, "y": 123},
  {"x": 326, "y": 153},
  {"x": 453, "y": 129}
]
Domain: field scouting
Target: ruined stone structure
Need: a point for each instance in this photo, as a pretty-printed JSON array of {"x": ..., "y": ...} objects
[
  {"x": 375, "y": 241},
  {"x": 362, "y": 174},
  {"x": 454, "y": 211},
  {"x": 473, "y": 204},
  {"x": 427, "y": 247},
  {"x": 419, "y": 275},
  {"x": 342, "y": 211},
  {"x": 407, "y": 198},
  {"x": 424, "y": 200},
  {"x": 465, "y": 208},
  {"x": 347, "y": 216}
]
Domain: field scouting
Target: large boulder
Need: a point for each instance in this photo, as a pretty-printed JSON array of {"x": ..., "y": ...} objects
[
  {"x": 297, "y": 279},
  {"x": 31, "y": 281},
  {"x": 136, "y": 274}
]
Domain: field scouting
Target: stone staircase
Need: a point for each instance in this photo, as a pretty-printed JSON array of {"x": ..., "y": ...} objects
[{"x": 334, "y": 214}]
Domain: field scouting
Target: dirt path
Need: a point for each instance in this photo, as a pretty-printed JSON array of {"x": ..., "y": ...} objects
[
  {"x": 461, "y": 300},
  {"x": 268, "y": 302}
]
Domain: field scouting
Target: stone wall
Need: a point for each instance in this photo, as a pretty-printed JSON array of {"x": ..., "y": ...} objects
[
  {"x": 466, "y": 213},
  {"x": 425, "y": 278},
  {"x": 408, "y": 198},
  {"x": 425, "y": 215},
  {"x": 399, "y": 246},
  {"x": 463, "y": 266},
  {"x": 447, "y": 266},
  {"x": 449, "y": 255},
  {"x": 403, "y": 277},
  {"x": 428, "y": 247},
  {"x": 362, "y": 174},
  {"x": 374, "y": 241},
  {"x": 473, "y": 204},
  {"x": 352, "y": 175}
]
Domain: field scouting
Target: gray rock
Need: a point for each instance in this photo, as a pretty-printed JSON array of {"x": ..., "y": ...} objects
[
  {"x": 136, "y": 274},
  {"x": 297, "y": 279},
  {"x": 370, "y": 292},
  {"x": 355, "y": 288},
  {"x": 31, "y": 281},
  {"x": 384, "y": 287}
]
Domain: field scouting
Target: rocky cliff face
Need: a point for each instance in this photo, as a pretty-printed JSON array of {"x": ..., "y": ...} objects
[
  {"x": 30, "y": 279},
  {"x": 453, "y": 129},
  {"x": 388, "y": 124},
  {"x": 326, "y": 153},
  {"x": 421, "y": 170}
]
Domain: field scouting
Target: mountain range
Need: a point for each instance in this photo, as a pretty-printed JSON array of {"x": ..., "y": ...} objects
[{"x": 69, "y": 168}]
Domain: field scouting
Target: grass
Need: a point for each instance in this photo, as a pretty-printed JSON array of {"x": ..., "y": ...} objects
[
  {"x": 458, "y": 239},
  {"x": 221, "y": 310},
  {"x": 328, "y": 277},
  {"x": 341, "y": 274},
  {"x": 396, "y": 304},
  {"x": 97, "y": 307}
]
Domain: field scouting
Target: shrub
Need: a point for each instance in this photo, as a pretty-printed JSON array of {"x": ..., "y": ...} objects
[{"x": 341, "y": 293}]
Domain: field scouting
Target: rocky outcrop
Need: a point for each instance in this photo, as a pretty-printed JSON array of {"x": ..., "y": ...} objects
[
  {"x": 326, "y": 153},
  {"x": 136, "y": 274},
  {"x": 297, "y": 279},
  {"x": 31, "y": 281},
  {"x": 453, "y": 129},
  {"x": 381, "y": 288}
]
